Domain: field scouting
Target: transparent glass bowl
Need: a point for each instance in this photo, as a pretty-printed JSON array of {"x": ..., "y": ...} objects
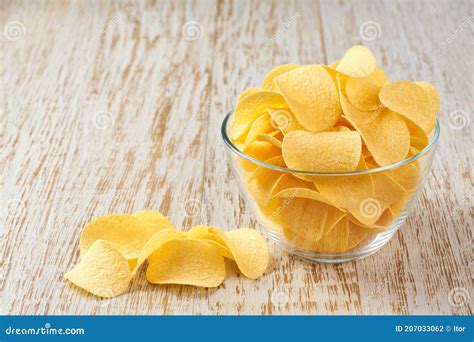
[{"x": 301, "y": 223}]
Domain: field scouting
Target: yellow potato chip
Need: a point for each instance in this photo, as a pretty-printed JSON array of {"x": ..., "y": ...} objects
[
  {"x": 384, "y": 132},
  {"x": 284, "y": 120},
  {"x": 248, "y": 91},
  {"x": 386, "y": 192},
  {"x": 357, "y": 234},
  {"x": 321, "y": 152},
  {"x": 268, "y": 81},
  {"x": 407, "y": 176},
  {"x": 336, "y": 241},
  {"x": 269, "y": 138},
  {"x": 410, "y": 100},
  {"x": 251, "y": 107},
  {"x": 125, "y": 232},
  {"x": 186, "y": 262},
  {"x": 155, "y": 242},
  {"x": 346, "y": 191},
  {"x": 312, "y": 96},
  {"x": 103, "y": 271},
  {"x": 363, "y": 93},
  {"x": 398, "y": 206},
  {"x": 418, "y": 137},
  {"x": 249, "y": 250},
  {"x": 288, "y": 181},
  {"x": 262, "y": 124},
  {"x": 259, "y": 150},
  {"x": 435, "y": 102},
  {"x": 262, "y": 182},
  {"x": 212, "y": 235},
  {"x": 303, "y": 221},
  {"x": 153, "y": 218},
  {"x": 358, "y": 62}
]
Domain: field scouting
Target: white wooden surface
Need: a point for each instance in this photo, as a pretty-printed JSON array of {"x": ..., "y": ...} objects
[{"x": 116, "y": 107}]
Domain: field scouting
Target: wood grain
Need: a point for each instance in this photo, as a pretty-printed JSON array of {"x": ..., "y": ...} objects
[{"x": 117, "y": 106}]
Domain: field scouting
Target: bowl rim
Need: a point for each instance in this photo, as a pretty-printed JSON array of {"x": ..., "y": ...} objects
[{"x": 234, "y": 149}]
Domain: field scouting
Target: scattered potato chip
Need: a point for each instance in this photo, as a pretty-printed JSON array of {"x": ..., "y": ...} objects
[
  {"x": 114, "y": 247},
  {"x": 186, "y": 262},
  {"x": 268, "y": 81},
  {"x": 103, "y": 270},
  {"x": 358, "y": 62},
  {"x": 321, "y": 152},
  {"x": 153, "y": 218},
  {"x": 312, "y": 96},
  {"x": 125, "y": 232},
  {"x": 411, "y": 101}
]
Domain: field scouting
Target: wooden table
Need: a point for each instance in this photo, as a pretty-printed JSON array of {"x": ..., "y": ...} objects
[{"x": 116, "y": 107}]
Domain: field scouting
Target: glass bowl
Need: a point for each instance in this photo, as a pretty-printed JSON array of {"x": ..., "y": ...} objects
[{"x": 329, "y": 217}]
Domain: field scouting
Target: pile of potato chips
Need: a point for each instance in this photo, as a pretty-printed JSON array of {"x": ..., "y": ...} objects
[
  {"x": 338, "y": 118},
  {"x": 113, "y": 248}
]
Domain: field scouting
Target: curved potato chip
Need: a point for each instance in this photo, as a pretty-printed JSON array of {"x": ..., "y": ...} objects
[
  {"x": 249, "y": 250},
  {"x": 358, "y": 62},
  {"x": 410, "y": 100},
  {"x": 248, "y": 91},
  {"x": 386, "y": 192},
  {"x": 153, "y": 218},
  {"x": 262, "y": 124},
  {"x": 303, "y": 193},
  {"x": 186, "y": 262},
  {"x": 407, "y": 176},
  {"x": 269, "y": 138},
  {"x": 259, "y": 150},
  {"x": 435, "y": 102},
  {"x": 303, "y": 221},
  {"x": 251, "y": 107},
  {"x": 125, "y": 232},
  {"x": 357, "y": 234},
  {"x": 346, "y": 191},
  {"x": 268, "y": 81},
  {"x": 363, "y": 93},
  {"x": 155, "y": 242},
  {"x": 262, "y": 182},
  {"x": 284, "y": 120},
  {"x": 288, "y": 181},
  {"x": 323, "y": 152},
  {"x": 418, "y": 137},
  {"x": 212, "y": 235},
  {"x": 102, "y": 271},
  {"x": 312, "y": 96},
  {"x": 336, "y": 241}
]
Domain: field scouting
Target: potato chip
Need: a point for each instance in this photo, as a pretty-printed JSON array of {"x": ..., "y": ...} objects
[
  {"x": 212, "y": 235},
  {"x": 186, "y": 262},
  {"x": 269, "y": 138},
  {"x": 407, "y": 176},
  {"x": 357, "y": 234},
  {"x": 346, "y": 191},
  {"x": 363, "y": 93},
  {"x": 155, "y": 242},
  {"x": 268, "y": 81},
  {"x": 303, "y": 221},
  {"x": 321, "y": 152},
  {"x": 418, "y": 137},
  {"x": 103, "y": 270},
  {"x": 251, "y": 107},
  {"x": 384, "y": 132},
  {"x": 386, "y": 191},
  {"x": 336, "y": 241},
  {"x": 259, "y": 150},
  {"x": 125, "y": 232},
  {"x": 248, "y": 91},
  {"x": 288, "y": 181},
  {"x": 312, "y": 96},
  {"x": 284, "y": 120},
  {"x": 358, "y": 62},
  {"x": 410, "y": 100},
  {"x": 153, "y": 218},
  {"x": 250, "y": 251},
  {"x": 435, "y": 102},
  {"x": 261, "y": 183},
  {"x": 262, "y": 124}
]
